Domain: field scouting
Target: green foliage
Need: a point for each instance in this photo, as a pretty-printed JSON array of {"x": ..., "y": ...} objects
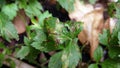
[
  {"x": 111, "y": 63},
  {"x": 98, "y": 54},
  {"x": 103, "y": 38},
  {"x": 24, "y": 51},
  {"x": 46, "y": 33},
  {"x": 93, "y": 66},
  {"x": 68, "y": 58},
  {"x": 2, "y": 3},
  {"x": 119, "y": 38},
  {"x": 111, "y": 9},
  {"x": 33, "y": 8},
  {"x": 92, "y": 1},
  {"x": 6, "y": 51},
  {"x": 1, "y": 59},
  {"x": 67, "y": 4},
  {"x": 7, "y": 29},
  {"x": 10, "y": 10},
  {"x": 11, "y": 62},
  {"x": 55, "y": 61},
  {"x": 114, "y": 51},
  {"x": 71, "y": 55}
]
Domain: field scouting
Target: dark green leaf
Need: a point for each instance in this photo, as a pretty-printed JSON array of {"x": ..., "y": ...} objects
[
  {"x": 98, "y": 54},
  {"x": 11, "y": 63},
  {"x": 114, "y": 51},
  {"x": 23, "y": 52},
  {"x": 111, "y": 8},
  {"x": 2, "y": 3},
  {"x": 111, "y": 63},
  {"x": 22, "y": 3},
  {"x": 32, "y": 56},
  {"x": 1, "y": 59},
  {"x": 2, "y": 45}
]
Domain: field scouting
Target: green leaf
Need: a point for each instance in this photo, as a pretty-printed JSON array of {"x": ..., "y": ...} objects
[
  {"x": 11, "y": 62},
  {"x": 119, "y": 37},
  {"x": 2, "y": 3},
  {"x": 68, "y": 58},
  {"x": 37, "y": 45},
  {"x": 45, "y": 46},
  {"x": 10, "y": 10},
  {"x": 114, "y": 51},
  {"x": 55, "y": 61},
  {"x": 22, "y": 3},
  {"x": 9, "y": 32},
  {"x": 43, "y": 16},
  {"x": 1, "y": 59},
  {"x": 67, "y": 4},
  {"x": 111, "y": 63},
  {"x": 111, "y": 8},
  {"x": 33, "y": 8},
  {"x": 114, "y": 37},
  {"x": 117, "y": 11},
  {"x": 24, "y": 51},
  {"x": 98, "y": 54},
  {"x": 71, "y": 55},
  {"x": 93, "y": 66},
  {"x": 58, "y": 32},
  {"x": 38, "y": 39},
  {"x": 51, "y": 24},
  {"x": 32, "y": 56},
  {"x": 103, "y": 38},
  {"x": 26, "y": 41},
  {"x": 7, "y": 29},
  {"x": 92, "y": 1},
  {"x": 2, "y": 45}
]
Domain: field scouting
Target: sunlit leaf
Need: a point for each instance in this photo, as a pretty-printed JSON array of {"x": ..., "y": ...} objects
[
  {"x": 23, "y": 52},
  {"x": 7, "y": 29},
  {"x": 43, "y": 16},
  {"x": 33, "y": 8},
  {"x": 70, "y": 56},
  {"x": 10, "y": 10},
  {"x": 93, "y": 66},
  {"x": 38, "y": 39}
]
